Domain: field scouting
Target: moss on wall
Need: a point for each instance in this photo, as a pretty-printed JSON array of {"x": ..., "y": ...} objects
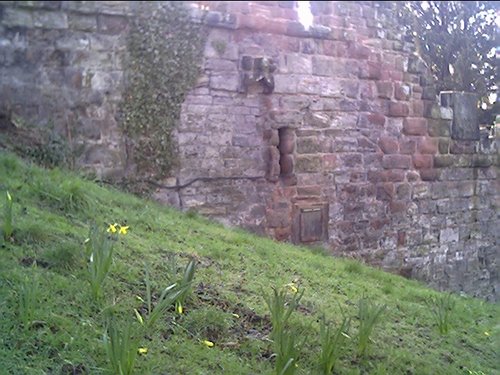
[{"x": 164, "y": 50}]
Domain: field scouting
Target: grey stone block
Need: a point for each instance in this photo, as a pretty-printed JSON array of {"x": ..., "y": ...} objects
[{"x": 465, "y": 125}]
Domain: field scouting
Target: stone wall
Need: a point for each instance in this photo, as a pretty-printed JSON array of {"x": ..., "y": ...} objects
[
  {"x": 61, "y": 64},
  {"x": 331, "y": 136}
]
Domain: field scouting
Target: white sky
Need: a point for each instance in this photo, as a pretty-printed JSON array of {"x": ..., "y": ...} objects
[{"x": 305, "y": 15}]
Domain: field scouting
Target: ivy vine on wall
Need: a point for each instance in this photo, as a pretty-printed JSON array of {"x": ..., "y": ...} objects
[{"x": 164, "y": 51}]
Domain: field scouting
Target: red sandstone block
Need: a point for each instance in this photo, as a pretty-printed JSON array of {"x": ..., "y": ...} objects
[
  {"x": 417, "y": 109},
  {"x": 398, "y": 109},
  {"x": 289, "y": 192},
  {"x": 388, "y": 145},
  {"x": 276, "y": 12},
  {"x": 282, "y": 234},
  {"x": 310, "y": 191},
  {"x": 286, "y": 165},
  {"x": 428, "y": 104},
  {"x": 400, "y": 65},
  {"x": 416, "y": 95},
  {"x": 401, "y": 238},
  {"x": 395, "y": 175},
  {"x": 260, "y": 9},
  {"x": 367, "y": 90},
  {"x": 463, "y": 147},
  {"x": 403, "y": 191},
  {"x": 384, "y": 75},
  {"x": 371, "y": 70},
  {"x": 111, "y": 24},
  {"x": 418, "y": 89},
  {"x": 377, "y": 224},
  {"x": 415, "y": 126},
  {"x": 338, "y": 33},
  {"x": 372, "y": 159},
  {"x": 268, "y": 3},
  {"x": 289, "y": 181},
  {"x": 407, "y": 146},
  {"x": 288, "y": 44},
  {"x": 396, "y": 161},
  {"x": 287, "y": 142},
  {"x": 385, "y": 89},
  {"x": 376, "y": 119},
  {"x": 351, "y": 160},
  {"x": 412, "y": 176},
  {"x": 386, "y": 176},
  {"x": 385, "y": 192},
  {"x": 422, "y": 161},
  {"x": 277, "y": 219},
  {"x": 389, "y": 61},
  {"x": 366, "y": 144},
  {"x": 428, "y": 145},
  {"x": 394, "y": 75},
  {"x": 401, "y": 92},
  {"x": 357, "y": 51},
  {"x": 329, "y": 162},
  {"x": 272, "y": 26},
  {"x": 289, "y": 14},
  {"x": 238, "y": 7},
  {"x": 397, "y": 207},
  {"x": 376, "y": 176},
  {"x": 330, "y": 48},
  {"x": 375, "y": 57},
  {"x": 345, "y": 226},
  {"x": 429, "y": 174}
]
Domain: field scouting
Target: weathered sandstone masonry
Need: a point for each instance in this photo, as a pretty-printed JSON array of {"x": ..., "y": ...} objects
[{"x": 332, "y": 135}]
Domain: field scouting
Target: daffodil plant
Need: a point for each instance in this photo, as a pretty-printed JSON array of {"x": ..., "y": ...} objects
[
  {"x": 99, "y": 250},
  {"x": 281, "y": 308},
  {"x": 121, "y": 348},
  {"x": 28, "y": 294},
  {"x": 332, "y": 341},
  {"x": 167, "y": 298},
  {"x": 287, "y": 350},
  {"x": 7, "y": 228},
  {"x": 285, "y": 346},
  {"x": 369, "y": 314},
  {"x": 185, "y": 284},
  {"x": 442, "y": 309}
]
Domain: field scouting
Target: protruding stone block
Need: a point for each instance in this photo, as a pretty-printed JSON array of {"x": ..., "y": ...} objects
[{"x": 465, "y": 125}]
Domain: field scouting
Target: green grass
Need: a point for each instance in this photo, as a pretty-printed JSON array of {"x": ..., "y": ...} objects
[{"x": 51, "y": 214}]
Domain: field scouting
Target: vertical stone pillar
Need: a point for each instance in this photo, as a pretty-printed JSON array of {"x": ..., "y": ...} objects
[{"x": 465, "y": 125}]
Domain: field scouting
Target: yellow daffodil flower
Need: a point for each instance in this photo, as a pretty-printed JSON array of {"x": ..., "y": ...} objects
[
  {"x": 112, "y": 228},
  {"x": 178, "y": 307},
  {"x": 487, "y": 333},
  {"x": 207, "y": 343},
  {"x": 9, "y": 197},
  {"x": 236, "y": 316},
  {"x": 292, "y": 288},
  {"x": 142, "y": 351},
  {"x": 123, "y": 229}
]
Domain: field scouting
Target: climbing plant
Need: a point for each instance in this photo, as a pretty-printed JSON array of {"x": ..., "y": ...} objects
[{"x": 164, "y": 50}]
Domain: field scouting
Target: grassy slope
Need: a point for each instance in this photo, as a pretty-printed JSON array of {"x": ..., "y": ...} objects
[{"x": 52, "y": 213}]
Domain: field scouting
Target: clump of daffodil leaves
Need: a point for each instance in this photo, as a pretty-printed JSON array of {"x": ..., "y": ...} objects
[{"x": 99, "y": 250}]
